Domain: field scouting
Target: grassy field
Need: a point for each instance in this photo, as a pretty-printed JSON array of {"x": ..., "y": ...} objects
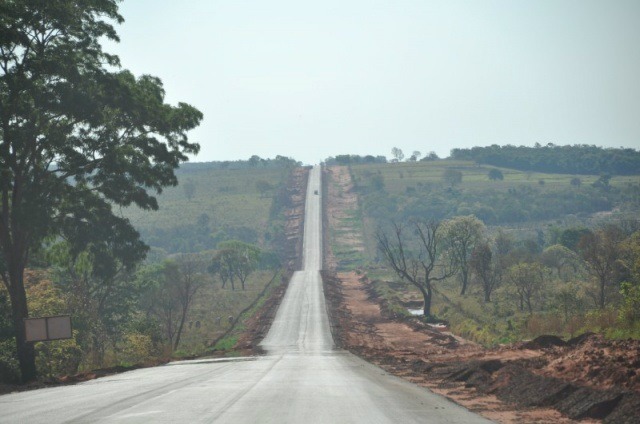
[
  {"x": 228, "y": 196},
  {"x": 399, "y": 176},
  {"x": 213, "y": 308},
  {"x": 522, "y": 200}
]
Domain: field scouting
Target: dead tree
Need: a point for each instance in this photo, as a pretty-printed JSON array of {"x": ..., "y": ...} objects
[{"x": 415, "y": 259}]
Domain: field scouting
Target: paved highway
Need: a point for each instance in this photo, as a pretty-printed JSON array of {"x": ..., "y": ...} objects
[{"x": 302, "y": 379}]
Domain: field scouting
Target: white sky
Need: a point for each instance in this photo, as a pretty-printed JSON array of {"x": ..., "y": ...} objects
[{"x": 312, "y": 79}]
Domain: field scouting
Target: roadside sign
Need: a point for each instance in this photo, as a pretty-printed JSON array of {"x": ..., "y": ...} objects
[{"x": 48, "y": 328}]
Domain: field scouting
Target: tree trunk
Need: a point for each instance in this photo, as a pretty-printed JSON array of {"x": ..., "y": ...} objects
[
  {"x": 529, "y": 306},
  {"x": 179, "y": 332},
  {"x": 98, "y": 349},
  {"x": 521, "y": 303},
  {"x": 465, "y": 281},
  {"x": 426, "y": 308},
  {"x": 602, "y": 293},
  {"x": 487, "y": 295},
  {"x": 20, "y": 311}
]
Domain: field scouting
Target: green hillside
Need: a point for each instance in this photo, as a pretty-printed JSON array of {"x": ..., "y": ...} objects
[
  {"x": 542, "y": 277},
  {"x": 224, "y": 203}
]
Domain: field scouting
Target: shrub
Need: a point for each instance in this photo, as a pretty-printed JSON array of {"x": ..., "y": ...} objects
[
  {"x": 136, "y": 348},
  {"x": 58, "y": 357}
]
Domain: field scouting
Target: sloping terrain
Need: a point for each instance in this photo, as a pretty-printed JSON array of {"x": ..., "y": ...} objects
[{"x": 547, "y": 380}]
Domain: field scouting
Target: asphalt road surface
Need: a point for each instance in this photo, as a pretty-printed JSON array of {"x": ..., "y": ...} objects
[{"x": 302, "y": 379}]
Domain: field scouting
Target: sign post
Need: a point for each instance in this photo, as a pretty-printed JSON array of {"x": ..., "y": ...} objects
[{"x": 48, "y": 328}]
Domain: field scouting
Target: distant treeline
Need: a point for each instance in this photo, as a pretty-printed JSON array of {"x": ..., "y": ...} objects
[
  {"x": 576, "y": 159},
  {"x": 253, "y": 162},
  {"x": 354, "y": 159}
]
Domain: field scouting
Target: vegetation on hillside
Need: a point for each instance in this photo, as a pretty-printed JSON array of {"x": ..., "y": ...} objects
[
  {"x": 545, "y": 254},
  {"x": 576, "y": 159},
  {"x": 226, "y": 204},
  {"x": 447, "y": 188},
  {"x": 180, "y": 298}
]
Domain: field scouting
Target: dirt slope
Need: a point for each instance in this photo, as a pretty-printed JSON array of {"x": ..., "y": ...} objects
[{"x": 544, "y": 381}]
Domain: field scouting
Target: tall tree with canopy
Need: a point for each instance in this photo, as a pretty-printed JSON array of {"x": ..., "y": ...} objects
[
  {"x": 486, "y": 268},
  {"x": 601, "y": 252},
  {"x": 461, "y": 234},
  {"x": 528, "y": 281},
  {"x": 77, "y": 136},
  {"x": 233, "y": 259}
]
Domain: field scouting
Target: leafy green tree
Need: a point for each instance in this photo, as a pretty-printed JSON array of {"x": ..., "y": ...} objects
[
  {"x": 222, "y": 265},
  {"x": 486, "y": 268},
  {"x": 254, "y": 161},
  {"x": 601, "y": 251},
  {"x": 461, "y": 235},
  {"x": 560, "y": 258},
  {"x": 630, "y": 310},
  {"x": 241, "y": 259},
  {"x": 504, "y": 242},
  {"x": 528, "y": 282},
  {"x": 77, "y": 136},
  {"x": 604, "y": 182},
  {"x": 98, "y": 287},
  {"x": 431, "y": 156},
  {"x": 630, "y": 260},
  {"x": 567, "y": 301},
  {"x": 495, "y": 174},
  {"x": 397, "y": 154},
  {"x": 572, "y": 236},
  {"x": 46, "y": 299}
]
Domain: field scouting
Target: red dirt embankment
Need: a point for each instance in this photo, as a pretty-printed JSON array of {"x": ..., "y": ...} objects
[
  {"x": 589, "y": 379},
  {"x": 547, "y": 380}
]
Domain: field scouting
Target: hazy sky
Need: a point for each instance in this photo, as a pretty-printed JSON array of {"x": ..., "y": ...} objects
[{"x": 312, "y": 79}]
